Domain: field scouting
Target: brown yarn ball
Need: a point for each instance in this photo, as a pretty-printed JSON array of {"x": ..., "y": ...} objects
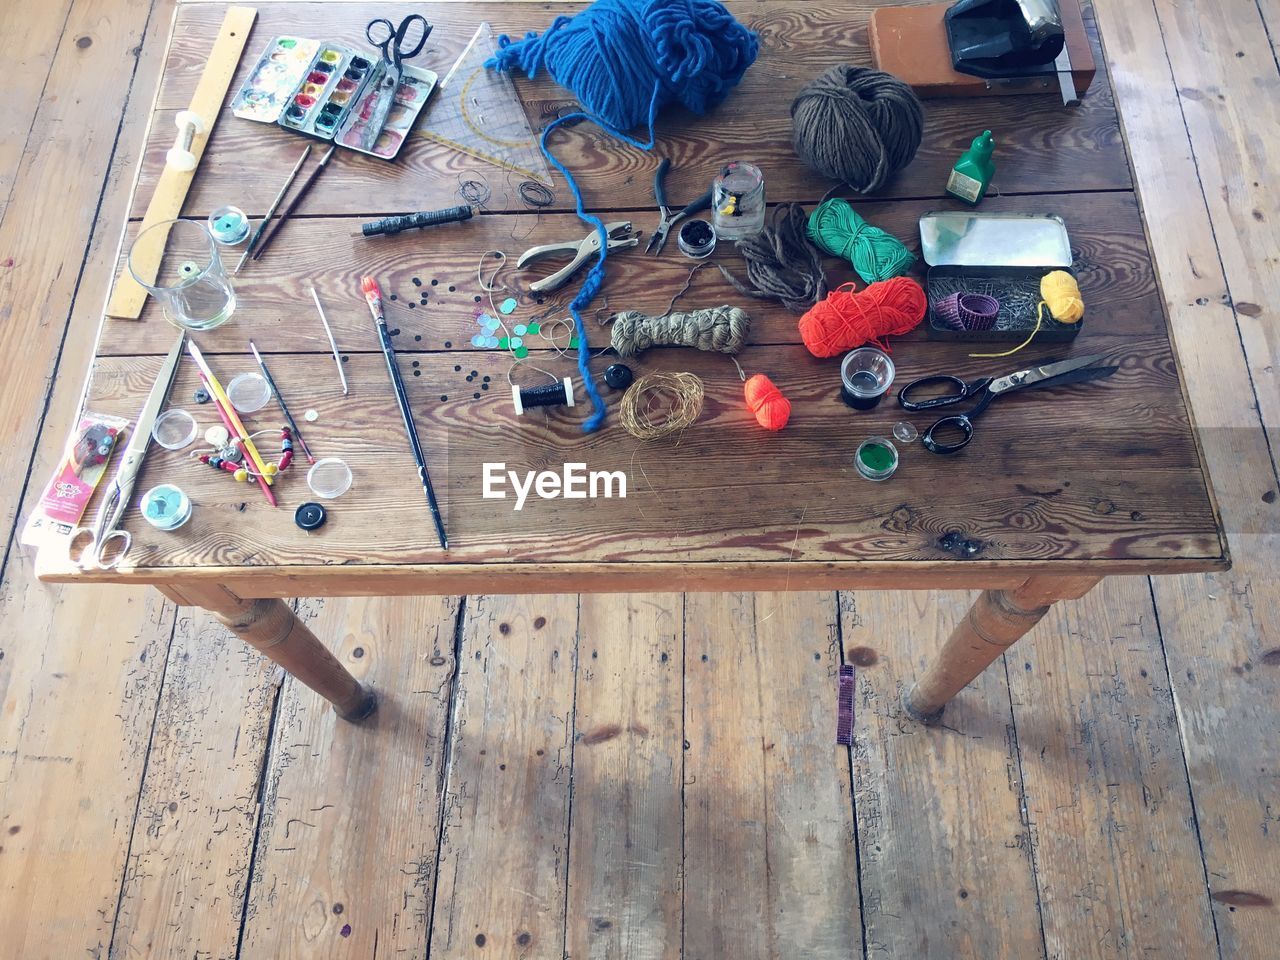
[{"x": 857, "y": 125}]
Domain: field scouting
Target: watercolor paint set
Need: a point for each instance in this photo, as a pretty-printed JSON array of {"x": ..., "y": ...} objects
[
  {"x": 410, "y": 97},
  {"x": 325, "y": 89}
]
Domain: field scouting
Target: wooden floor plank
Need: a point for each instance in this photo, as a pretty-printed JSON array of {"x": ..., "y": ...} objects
[
  {"x": 60, "y": 181},
  {"x": 945, "y": 851},
  {"x": 628, "y": 764},
  {"x": 346, "y": 857},
  {"x": 503, "y": 855},
  {"x": 29, "y": 40},
  {"x": 1229, "y": 88},
  {"x": 79, "y": 701},
  {"x": 1117, "y": 858},
  {"x": 1218, "y": 630},
  {"x": 770, "y": 865},
  {"x": 188, "y": 871}
]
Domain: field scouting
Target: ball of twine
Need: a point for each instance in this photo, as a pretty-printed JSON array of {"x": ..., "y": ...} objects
[
  {"x": 724, "y": 329},
  {"x": 857, "y": 125},
  {"x": 660, "y": 404}
]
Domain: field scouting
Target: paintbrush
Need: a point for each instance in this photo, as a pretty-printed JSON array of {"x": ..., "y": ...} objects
[
  {"x": 275, "y": 392},
  {"x": 241, "y": 442},
  {"x": 257, "y": 234},
  {"x": 235, "y": 425},
  {"x": 373, "y": 297},
  {"x": 293, "y": 204}
]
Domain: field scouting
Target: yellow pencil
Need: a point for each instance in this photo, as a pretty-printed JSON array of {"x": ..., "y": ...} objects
[{"x": 221, "y": 397}]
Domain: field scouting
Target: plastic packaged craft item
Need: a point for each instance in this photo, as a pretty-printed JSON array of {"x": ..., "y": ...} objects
[
  {"x": 329, "y": 478},
  {"x": 865, "y": 377},
  {"x": 165, "y": 507},
  {"x": 999, "y": 255},
  {"x": 281, "y": 68},
  {"x": 411, "y": 96},
  {"x": 67, "y": 494}
]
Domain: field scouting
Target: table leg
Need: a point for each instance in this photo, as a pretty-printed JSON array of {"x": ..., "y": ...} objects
[
  {"x": 272, "y": 628},
  {"x": 996, "y": 620}
]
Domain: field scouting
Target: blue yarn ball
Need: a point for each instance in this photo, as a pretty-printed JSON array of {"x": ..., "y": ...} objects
[{"x": 622, "y": 58}]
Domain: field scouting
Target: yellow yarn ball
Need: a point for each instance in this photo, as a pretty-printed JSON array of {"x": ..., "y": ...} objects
[
  {"x": 1061, "y": 295},
  {"x": 242, "y": 474}
]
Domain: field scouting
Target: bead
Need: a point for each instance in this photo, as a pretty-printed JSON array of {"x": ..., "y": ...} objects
[
  {"x": 231, "y": 452},
  {"x": 202, "y": 395},
  {"x": 241, "y": 474},
  {"x": 618, "y": 376},
  {"x": 270, "y": 470},
  {"x": 286, "y": 445}
]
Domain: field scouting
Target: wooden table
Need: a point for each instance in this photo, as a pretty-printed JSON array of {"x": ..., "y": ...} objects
[{"x": 1058, "y": 489}]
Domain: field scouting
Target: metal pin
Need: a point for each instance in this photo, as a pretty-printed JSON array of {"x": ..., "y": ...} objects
[{"x": 332, "y": 343}]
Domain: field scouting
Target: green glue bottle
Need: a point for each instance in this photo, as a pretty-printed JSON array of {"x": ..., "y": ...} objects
[{"x": 973, "y": 171}]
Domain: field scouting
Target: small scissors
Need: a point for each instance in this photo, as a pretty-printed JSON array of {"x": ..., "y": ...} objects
[
  {"x": 986, "y": 389},
  {"x": 391, "y": 41},
  {"x": 92, "y": 543},
  {"x": 669, "y": 216}
]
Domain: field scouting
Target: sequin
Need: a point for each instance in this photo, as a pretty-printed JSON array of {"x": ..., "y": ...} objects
[
  {"x": 517, "y": 342},
  {"x": 508, "y": 305},
  {"x": 520, "y": 330},
  {"x": 477, "y": 340}
]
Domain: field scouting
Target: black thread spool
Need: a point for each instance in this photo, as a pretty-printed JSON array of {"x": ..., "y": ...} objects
[{"x": 553, "y": 395}]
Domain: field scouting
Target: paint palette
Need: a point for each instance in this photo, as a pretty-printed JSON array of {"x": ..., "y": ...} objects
[
  {"x": 326, "y": 94},
  {"x": 411, "y": 96},
  {"x": 271, "y": 84}
]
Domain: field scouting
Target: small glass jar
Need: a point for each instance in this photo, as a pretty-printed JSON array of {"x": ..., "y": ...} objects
[
  {"x": 865, "y": 376},
  {"x": 737, "y": 201},
  {"x": 166, "y": 507},
  {"x": 876, "y": 458}
]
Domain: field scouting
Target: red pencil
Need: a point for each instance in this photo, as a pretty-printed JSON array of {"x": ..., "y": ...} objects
[{"x": 235, "y": 435}]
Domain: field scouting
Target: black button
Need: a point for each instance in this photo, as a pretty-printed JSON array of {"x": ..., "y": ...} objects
[
  {"x": 310, "y": 516},
  {"x": 618, "y": 376}
]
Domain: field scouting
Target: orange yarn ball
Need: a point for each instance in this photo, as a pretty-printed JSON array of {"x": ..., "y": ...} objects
[
  {"x": 847, "y": 318},
  {"x": 766, "y": 401}
]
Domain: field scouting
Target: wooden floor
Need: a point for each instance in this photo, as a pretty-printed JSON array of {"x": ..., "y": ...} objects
[{"x": 651, "y": 776}]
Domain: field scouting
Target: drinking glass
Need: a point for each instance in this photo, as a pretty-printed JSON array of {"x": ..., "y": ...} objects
[{"x": 191, "y": 284}]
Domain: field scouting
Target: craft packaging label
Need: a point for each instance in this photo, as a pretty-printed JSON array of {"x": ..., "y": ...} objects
[{"x": 964, "y": 187}]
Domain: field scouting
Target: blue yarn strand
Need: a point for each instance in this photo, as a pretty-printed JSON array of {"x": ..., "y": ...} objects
[{"x": 624, "y": 60}]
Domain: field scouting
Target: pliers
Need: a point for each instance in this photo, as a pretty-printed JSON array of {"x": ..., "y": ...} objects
[
  {"x": 619, "y": 234},
  {"x": 670, "y": 218}
]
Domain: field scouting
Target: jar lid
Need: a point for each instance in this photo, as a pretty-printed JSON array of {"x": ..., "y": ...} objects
[{"x": 955, "y": 238}]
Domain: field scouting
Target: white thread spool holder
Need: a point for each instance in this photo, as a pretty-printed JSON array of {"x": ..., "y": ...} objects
[{"x": 189, "y": 126}]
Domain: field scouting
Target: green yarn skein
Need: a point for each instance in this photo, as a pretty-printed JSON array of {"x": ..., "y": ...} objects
[{"x": 838, "y": 230}]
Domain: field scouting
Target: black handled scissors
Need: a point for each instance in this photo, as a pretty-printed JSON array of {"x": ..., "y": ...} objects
[
  {"x": 391, "y": 40},
  {"x": 986, "y": 389},
  {"x": 669, "y": 216}
]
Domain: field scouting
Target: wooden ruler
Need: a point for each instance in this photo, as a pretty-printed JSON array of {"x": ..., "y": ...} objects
[{"x": 171, "y": 190}]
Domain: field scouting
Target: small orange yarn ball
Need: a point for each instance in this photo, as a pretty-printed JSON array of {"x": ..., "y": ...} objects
[
  {"x": 766, "y": 401},
  {"x": 847, "y": 318}
]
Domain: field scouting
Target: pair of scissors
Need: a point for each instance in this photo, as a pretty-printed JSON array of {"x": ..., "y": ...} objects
[
  {"x": 985, "y": 390},
  {"x": 391, "y": 41},
  {"x": 92, "y": 547},
  {"x": 669, "y": 216}
]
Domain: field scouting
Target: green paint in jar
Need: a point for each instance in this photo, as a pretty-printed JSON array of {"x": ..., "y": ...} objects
[{"x": 876, "y": 458}]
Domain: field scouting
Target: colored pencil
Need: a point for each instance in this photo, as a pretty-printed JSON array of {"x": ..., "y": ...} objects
[
  {"x": 263, "y": 482},
  {"x": 235, "y": 426}
]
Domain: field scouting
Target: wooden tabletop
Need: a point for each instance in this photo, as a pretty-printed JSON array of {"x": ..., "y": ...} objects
[{"x": 1101, "y": 478}]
